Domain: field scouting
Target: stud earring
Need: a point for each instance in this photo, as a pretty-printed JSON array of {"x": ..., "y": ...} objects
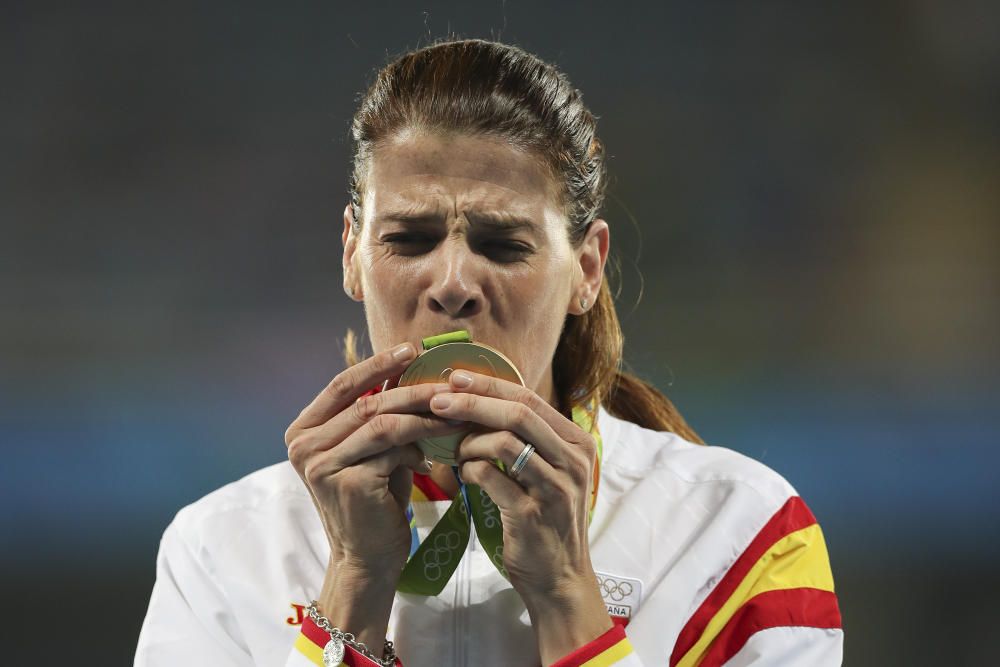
[{"x": 583, "y": 303}]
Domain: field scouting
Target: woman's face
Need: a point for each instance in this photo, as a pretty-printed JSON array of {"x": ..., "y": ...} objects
[{"x": 462, "y": 232}]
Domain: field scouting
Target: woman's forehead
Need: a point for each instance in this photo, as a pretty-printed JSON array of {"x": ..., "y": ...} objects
[{"x": 420, "y": 170}]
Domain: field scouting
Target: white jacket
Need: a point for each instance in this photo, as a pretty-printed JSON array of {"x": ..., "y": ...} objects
[{"x": 704, "y": 557}]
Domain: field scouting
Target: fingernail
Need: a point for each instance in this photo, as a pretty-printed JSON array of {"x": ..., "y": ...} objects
[
  {"x": 440, "y": 401},
  {"x": 461, "y": 379},
  {"x": 403, "y": 352}
]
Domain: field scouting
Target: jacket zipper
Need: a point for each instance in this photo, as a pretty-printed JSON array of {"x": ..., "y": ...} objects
[{"x": 464, "y": 595}]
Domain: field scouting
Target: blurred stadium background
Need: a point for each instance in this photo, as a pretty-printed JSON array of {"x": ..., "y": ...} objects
[{"x": 804, "y": 204}]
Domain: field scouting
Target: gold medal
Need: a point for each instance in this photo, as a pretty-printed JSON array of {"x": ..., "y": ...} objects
[{"x": 443, "y": 355}]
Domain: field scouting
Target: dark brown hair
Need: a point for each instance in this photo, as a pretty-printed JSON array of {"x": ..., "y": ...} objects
[{"x": 499, "y": 91}]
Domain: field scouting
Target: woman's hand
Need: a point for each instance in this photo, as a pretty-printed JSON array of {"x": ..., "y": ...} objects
[
  {"x": 544, "y": 512},
  {"x": 355, "y": 458}
]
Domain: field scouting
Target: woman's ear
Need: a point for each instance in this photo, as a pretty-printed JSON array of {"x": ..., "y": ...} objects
[
  {"x": 352, "y": 280},
  {"x": 592, "y": 255}
]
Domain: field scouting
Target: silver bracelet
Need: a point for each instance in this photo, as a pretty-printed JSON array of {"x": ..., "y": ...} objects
[{"x": 333, "y": 652}]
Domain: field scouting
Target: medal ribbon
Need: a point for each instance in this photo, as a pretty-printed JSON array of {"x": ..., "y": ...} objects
[{"x": 433, "y": 561}]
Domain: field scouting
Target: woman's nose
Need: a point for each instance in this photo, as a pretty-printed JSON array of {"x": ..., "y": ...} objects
[{"x": 456, "y": 289}]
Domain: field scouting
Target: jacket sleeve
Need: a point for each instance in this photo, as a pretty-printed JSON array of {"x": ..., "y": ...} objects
[
  {"x": 189, "y": 621},
  {"x": 611, "y": 648},
  {"x": 774, "y": 607}
]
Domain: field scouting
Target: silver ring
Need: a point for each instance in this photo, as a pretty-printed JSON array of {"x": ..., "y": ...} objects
[{"x": 521, "y": 461}]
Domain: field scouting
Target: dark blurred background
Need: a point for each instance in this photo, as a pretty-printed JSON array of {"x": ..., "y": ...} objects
[{"x": 804, "y": 204}]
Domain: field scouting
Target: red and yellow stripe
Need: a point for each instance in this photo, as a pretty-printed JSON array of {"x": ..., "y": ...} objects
[
  {"x": 425, "y": 488},
  {"x": 604, "y": 651},
  {"x": 782, "y": 578}
]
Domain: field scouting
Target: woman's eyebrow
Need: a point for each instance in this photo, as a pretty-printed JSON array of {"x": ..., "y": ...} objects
[
  {"x": 495, "y": 219},
  {"x": 500, "y": 220},
  {"x": 409, "y": 216}
]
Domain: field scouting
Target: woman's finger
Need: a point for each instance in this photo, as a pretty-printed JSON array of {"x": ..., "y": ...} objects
[
  {"x": 349, "y": 384},
  {"x": 385, "y": 431},
  {"x": 487, "y": 385},
  {"x": 502, "y": 490},
  {"x": 504, "y": 415},
  {"x": 387, "y": 462},
  {"x": 400, "y": 400},
  {"x": 505, "y": 446}
]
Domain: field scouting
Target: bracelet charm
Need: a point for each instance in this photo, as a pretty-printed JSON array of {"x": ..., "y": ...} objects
[{"x": 333, "y": 652}]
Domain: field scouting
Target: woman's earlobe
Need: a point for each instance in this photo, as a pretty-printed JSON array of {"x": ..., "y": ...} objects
[
  {"x": 352, "y": 292},
  {"x": 580, "y": 307}
]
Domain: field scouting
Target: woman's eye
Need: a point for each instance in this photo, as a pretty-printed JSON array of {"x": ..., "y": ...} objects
[
  {"x": 508, "y": 250},
  {"x": 409, "y": 240},
  {"x": 415, "y": 241},
  {"x": 406, "y": 238}
]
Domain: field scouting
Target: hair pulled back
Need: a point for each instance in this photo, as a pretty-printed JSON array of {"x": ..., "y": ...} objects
[{"x": 499, "y": 91}]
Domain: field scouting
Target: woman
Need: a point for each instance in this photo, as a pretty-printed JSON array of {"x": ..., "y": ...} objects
[{"x": 619, "y": 537}]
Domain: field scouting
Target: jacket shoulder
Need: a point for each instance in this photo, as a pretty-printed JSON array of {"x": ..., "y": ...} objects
[
  {"x": 636, "y": 453},
  {"x": 253, "y": 493}
]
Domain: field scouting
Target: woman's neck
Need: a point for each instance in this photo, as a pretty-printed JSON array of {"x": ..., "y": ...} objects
[{"x": 442, "y": 475}]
